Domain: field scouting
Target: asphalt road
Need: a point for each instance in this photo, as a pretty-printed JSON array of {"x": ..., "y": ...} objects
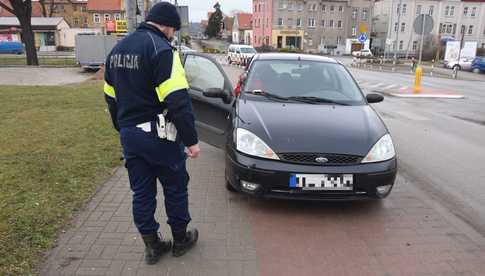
[{"x": 439, "y": 142}]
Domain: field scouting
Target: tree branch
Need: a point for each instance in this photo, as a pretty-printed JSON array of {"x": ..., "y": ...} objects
[{"x": 7, "y": 8}]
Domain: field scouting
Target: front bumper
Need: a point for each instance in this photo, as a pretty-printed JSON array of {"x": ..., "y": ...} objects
[{"x": 273, "y": 178}]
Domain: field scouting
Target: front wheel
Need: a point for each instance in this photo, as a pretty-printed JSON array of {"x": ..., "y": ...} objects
[{"x": 457, "y": 67}]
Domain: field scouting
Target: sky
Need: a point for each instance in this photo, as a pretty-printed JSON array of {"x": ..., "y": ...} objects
[{"x": 198, "y": 8}]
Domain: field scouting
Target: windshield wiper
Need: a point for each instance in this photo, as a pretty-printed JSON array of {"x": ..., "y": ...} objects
[
  {"x": 267, "y": 95},
  {"x": 314, "y": 100}
]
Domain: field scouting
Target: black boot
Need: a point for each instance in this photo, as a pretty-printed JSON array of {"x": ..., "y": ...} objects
[
  {"x": 155, "y": 248},
  {"x": 184, "y": 241}
]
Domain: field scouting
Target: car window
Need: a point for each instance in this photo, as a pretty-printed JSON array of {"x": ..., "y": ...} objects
[
  {"x": 289, "y": 78},
  {"x": 248, "y": 50},
  {"x": 202, "y": 73}
]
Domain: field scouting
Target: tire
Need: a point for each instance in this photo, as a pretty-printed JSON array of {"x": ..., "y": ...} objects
[
  {"x": 458, "y": 67},
  {"x": 229, "y": 60},
  {"x": 230, "y": 188}
]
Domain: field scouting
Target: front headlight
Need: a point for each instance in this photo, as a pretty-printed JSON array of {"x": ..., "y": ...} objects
[
  {"x": 249, "y": 143},
  {"x": 383, "y": 150}
]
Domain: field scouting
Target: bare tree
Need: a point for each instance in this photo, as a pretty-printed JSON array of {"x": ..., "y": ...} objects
[
  {"x": 47, "y": 7},
  {"x": 22, "y": 9}
]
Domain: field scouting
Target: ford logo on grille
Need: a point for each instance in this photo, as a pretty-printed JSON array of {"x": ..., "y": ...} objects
[{"x": 321, "y": 160}]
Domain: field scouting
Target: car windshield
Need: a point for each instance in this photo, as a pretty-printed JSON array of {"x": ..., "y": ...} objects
[
  {"x": 304, "y": 79},
  {"x": 248, "y": 50}
]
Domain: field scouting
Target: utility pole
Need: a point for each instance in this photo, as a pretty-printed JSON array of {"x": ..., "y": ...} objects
[
  {"x": 130, "y": 10},
  {"x": 399, "y": 9}
]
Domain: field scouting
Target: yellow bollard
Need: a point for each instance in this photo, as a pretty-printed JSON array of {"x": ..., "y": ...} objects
[{"x": 417, "y": 81}]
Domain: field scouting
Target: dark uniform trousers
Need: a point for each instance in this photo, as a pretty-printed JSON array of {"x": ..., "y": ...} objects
[{"x": 146, "y": 158}]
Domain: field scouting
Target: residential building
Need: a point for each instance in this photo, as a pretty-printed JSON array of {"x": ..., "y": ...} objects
[
  {"x": 242, "y": 23},
  {"x": 74, "y": 12},
  {"x": 394, "y": 23},
  {"x": 262, "y": 22},
  {"x": 48, "y": 31},
  {"x": 313, "y": 26}
]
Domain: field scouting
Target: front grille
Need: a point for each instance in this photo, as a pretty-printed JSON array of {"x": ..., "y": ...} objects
[{"x": 311, "y": 159}]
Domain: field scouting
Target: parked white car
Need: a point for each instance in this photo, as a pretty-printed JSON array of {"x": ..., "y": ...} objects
[
  {"x": 240, "y": 54},
  {"x": 362, "y": 53},
  {"x": 464, "y": 64}
]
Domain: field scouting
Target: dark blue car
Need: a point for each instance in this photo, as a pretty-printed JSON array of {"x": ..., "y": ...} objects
[
  {"x": 11, "y": 47},
  {"x": 478, "y": 65}
]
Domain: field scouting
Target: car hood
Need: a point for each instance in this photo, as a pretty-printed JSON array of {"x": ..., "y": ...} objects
[{"x": 308, "y": 128}]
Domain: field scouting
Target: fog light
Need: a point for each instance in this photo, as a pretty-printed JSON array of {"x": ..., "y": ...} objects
[
  {"x": 249, "y": 186},
  {"x": 382, "y": 190}
]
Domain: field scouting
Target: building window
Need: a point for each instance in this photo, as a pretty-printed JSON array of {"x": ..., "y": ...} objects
[
  {"x": 355, "y": 11},
  {"x": 76, "y": 21},
  {"x": 255, "y": 8},
  {"x": 314, "y": 7},
  {"x": 452, "y": 11},
  {"x": 298, "y": 22},
  {"x": 117, "y": 16},
  {"x": 354, "y": 31},
  {"x": 85, "y": 20},
  {"x": 396, "y": 27},
  {"x": 84, "y": 9},
  {"x": 401, "y": 43},
  {"x": 324, "y": 8},
  {"x": 280, "y": 21},
  {"x": 310, "y": 42},
  {"x": 281, "y": 6},
  {"x": 431, "y": 10},
  {"x": 74, "y": 8},
  {"x": 300, "y": 6},
  {"x": 447, "y": 10},
  {"x": 448, "y": 29},
  {"x": 483, "y": 45},
  {"x": 465, "y": 11},
  {"x": 107, "y": 17},
  {"x": 470, "y": 29},
  {"x": 403, "y": 27},
  {"x": 311, "y": 22},
  {"x": 330, "y": 23},
  {"x": 332, "y": 8},
  {"x": 418, "y": 9},
  {"x": 364, "y": 14},
  {"x": 323, "y": 23},
  {"x": 339, "y": 39},
  {"x": 339, "y": 24},
  {"x": 398, "y": 9},
  {"x": 290, "y": 22},
  {"x": 96, "y": 18},
  {"x": 415, "y": 45},
  {"x": 474, "y": 11},
  {"x": 291, "y": 6},
  {"x": 404, "y": 8},
  {"x": 340, "y": 8},
  {"x": 454, "y": 28}
]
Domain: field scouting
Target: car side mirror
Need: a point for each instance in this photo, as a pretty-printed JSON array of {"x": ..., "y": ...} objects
[{"x": 374, "y": 98}]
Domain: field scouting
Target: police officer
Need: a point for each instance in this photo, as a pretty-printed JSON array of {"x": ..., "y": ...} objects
[{"x": 146, "y": 91}]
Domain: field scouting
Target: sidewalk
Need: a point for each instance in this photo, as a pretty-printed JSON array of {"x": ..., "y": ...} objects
[{"x": 406, "y": 234}]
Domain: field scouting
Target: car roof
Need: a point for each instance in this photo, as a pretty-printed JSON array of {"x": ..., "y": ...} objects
[
  {"x": 293, "y": 56},
  {"x": 241, "y": 45}
]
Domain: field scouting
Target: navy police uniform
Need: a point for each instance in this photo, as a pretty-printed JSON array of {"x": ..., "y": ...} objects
[{"x": 144, "y": 77}]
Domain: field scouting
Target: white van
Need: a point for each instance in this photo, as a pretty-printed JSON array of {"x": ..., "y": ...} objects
[{"x": 240, "y": 54}]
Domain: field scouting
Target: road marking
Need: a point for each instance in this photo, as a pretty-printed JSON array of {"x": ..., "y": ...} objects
[
  {"x": 377, "y": 85},
  {"x": 412, "y": 116},
  {"x": 389, "y": 86}
]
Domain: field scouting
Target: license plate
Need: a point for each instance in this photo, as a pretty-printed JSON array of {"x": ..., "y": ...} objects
[{"x": 328, "y": 182}]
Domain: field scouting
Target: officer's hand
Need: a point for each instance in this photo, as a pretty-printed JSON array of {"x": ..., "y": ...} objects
[{"x": 193, "y": 151}]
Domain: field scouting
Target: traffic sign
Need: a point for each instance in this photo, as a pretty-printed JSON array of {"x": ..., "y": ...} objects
[
  {"x": 362, "y": 38},
  {"x": 423, "y": 24},
  {"x": 362, "y": 28}
]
